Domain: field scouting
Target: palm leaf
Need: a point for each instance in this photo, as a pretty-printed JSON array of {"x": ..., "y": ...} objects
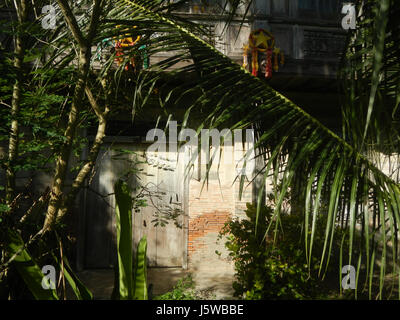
[
  {"x": 370, "y": 77},
  {"x": 223, "y": 94}
]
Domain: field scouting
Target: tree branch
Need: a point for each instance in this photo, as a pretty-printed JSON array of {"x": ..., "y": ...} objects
[
  {"x": 97, "y": 8},
  {"x": 72, "y": 23},
  {"x": 56, "y": 195},
  {"x": 93, "y": 154}
]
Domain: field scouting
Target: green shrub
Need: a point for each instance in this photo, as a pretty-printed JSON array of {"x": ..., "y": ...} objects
[
  {"x": 185, "y": 290},
  {"x": 278, "y": 270}
]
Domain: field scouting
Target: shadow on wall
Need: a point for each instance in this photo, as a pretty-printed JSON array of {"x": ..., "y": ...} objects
[{"x": 98, "y": 235}]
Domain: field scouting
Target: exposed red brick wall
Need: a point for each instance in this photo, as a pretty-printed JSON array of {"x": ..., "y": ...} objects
[
  {"x": 202, "y": 225},
  {"x": 210, "y": 206}
]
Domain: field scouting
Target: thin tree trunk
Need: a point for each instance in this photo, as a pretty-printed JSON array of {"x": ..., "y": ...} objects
[
  {"x": 19, "y": 51},
  {"x": 69, "y": 134},
  {"x": 91, "y": 161},
  {"x": 84, "y": 45}
]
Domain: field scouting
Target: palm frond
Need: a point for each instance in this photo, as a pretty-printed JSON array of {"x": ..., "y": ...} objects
[
  {"x": 340, "y": 182},
  {"x": 370, "y": 75}
]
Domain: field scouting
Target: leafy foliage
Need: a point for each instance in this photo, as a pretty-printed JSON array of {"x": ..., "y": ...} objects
[
  {"x": 337, "y": 175},
  {"x": 370, "y": 73},
  {"x": 276, "y": 267},
  {"x": 27, "y": 268},
  {"x": 184, "y": 290},
  {"x": 340, "y": 177}
]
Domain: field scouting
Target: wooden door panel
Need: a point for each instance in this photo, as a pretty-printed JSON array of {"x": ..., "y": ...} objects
[
  {"x": 99, "y": 223},
  {"x": 165, "y": 244}
]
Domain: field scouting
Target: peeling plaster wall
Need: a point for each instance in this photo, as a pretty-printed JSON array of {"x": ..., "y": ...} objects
[{"x": 210, "y": 206}]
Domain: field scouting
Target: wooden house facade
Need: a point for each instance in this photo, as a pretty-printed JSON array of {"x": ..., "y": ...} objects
[{"x": 310, "y": 35}]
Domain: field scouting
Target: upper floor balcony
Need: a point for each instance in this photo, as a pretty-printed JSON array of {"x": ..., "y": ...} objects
[{"x": 309, "y": 32}]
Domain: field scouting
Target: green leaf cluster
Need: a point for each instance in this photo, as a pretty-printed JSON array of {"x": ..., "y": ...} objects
[
  {"x": 184, "y": 289},
  {"x": 275, "y": 267}
]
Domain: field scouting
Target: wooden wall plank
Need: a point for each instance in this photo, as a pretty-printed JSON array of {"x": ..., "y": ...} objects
[{"x": 165, "y": 244}]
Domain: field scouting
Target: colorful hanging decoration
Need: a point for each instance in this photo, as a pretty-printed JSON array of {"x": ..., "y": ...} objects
[
  {"x": 262, "y": 41},
  {"x": 120, "y": 44}
]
